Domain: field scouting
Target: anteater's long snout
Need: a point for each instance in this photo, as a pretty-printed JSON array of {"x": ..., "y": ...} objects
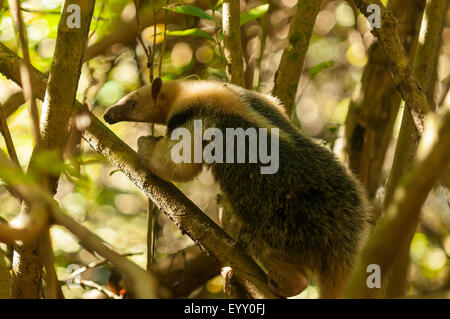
[
  {"x": 119, "y": 112},
  {"x": 109, "y": 116}
]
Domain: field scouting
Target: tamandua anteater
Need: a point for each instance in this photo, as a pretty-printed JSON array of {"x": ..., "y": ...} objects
[{"x": 308, "y": 215}]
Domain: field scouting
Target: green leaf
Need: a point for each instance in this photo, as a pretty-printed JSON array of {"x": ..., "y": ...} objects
[
  {"x": 114, "y": 171},
  {"x": 254, "y": 13},
  {"x": 218, "y": 4},
  {"x": 194, "y": 32},
  {"x": 316, "y": 69},
  {"x": 190, "y": 10},
  {"x": 217, "y": 72}
]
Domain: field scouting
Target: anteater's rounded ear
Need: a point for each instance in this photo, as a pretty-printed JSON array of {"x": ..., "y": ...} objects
[{"x": 156, "y": 88}]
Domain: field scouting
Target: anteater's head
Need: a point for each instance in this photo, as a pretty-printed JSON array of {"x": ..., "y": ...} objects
[
  {"x": 147, "y": 104},
  {"x": 157, "y": 102}
]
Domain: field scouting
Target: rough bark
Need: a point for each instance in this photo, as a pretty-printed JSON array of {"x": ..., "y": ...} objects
[
  {"x": 425, "y": 65},
  {"x": 399, "y": 221},
  {"x": 42, "y": 204},
  {"x": 166, "y": 196},
  {"x": 56, "y": 112},
  {"x": 291, "y": 64},
  {"x": 232, "y": 41},
  {"x": 402, "y": 75},
  {"x": 371, "y": 116},
  {"x": 184, "y": 273},
  {"x": 5, "y": 278}
]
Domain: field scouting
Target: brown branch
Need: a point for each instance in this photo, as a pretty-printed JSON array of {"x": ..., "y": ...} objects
[
  {"x": 164, "y": 42},
  {"x": 291, "y": 64},
  {"x": 91, "y": 265},
  {"x": 138, "y": 280},
  {"x": 147, "y": 50},
  {"x": 371, "y": 116},
  {"x": 94, "y": 285},
  {"x": 400, "y": 220},
  {"x": 40, "y": 201},
  {"x": 183, "y": 273},
  {"x": 29, "y": 229},
  {"x": 152, "y": 216},
  {"x": 150, "y": 52},
  {"x": 232, "y": 41},
  {"x": 57, "y": 109},
  {"x": 425, "y": 63},
  {"x": 389, "y": 39},
  {"x": 27, "y": 86},
  {"x": 52, "y": 288},
  {"x": 7, "y": 137},
  {"x": 12, "y": 103},
  {"x": 169, "y": 199},
  {"x": 231, "y": 287},
  {"x": 445, "y": 92},
  {"x": 5, "y": 278}
]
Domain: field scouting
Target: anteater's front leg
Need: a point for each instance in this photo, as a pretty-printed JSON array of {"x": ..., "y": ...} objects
[{"x": 155, "y": 154}]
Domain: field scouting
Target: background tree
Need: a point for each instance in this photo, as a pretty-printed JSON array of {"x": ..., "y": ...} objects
[{"x": 82, "y": 203}]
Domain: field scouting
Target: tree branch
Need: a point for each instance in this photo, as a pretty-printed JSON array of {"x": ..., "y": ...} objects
[
  {"x": 232, "y": 41},
  {"x": 291, "y": 64},
  {"x": 14, "y": 6},
  {"x": 371, "y": 116},
  {"x": 7, "y": 137},
  {"x": 40, "y": 202},
  {"x": 5, "y": 278},
  {"x": 401, "y": 70},
  {"x": 425, "y": 64},
  {"x": 185, "y": 272},
  {"x": 399, "y": 221},
  {"x": 188, "y": 217},
  {"x": 56, "y": 112}
]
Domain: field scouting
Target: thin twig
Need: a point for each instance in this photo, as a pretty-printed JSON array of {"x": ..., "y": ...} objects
[
  {"x": 40, "y": 11},
  {"x": 26, "y": 68},
  {"x": 102, "y": 8},
  {"x": 152, "y": 216},
  {"x": 232, "y": 41},
  {"x": 94, "y": 264},
  {"x": 7, "y": 136},
  {"x": 52, "y": 288},
  {"x": 217, "y": 34},
  {"x": 96, "y": 286},
  {"x": 163, "y": 47},
  {"x": 444, "y": 93},
  {"x": 147, "y": 50}
]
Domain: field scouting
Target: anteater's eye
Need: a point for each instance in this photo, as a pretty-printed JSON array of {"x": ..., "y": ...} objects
[{"x": 132, "y": 103}]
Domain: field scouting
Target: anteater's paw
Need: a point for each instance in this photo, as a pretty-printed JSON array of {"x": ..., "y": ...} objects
[
  {"x": 146, "y": 145},
  {"x": 287, "y": 286}
]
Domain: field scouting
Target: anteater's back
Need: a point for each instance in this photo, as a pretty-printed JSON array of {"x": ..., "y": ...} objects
[
  {"x": 311, "y": 210},
  {"x": 308, "y": 215}
]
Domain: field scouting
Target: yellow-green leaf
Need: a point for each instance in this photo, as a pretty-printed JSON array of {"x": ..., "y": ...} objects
[
  {"x": 190, "y": 10},
  {"x": 254, "y": 13},
  {"x": 194, "y": 32}
]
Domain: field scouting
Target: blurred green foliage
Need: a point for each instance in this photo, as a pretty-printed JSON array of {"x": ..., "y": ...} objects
[{"x": 108, "y": 203}]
